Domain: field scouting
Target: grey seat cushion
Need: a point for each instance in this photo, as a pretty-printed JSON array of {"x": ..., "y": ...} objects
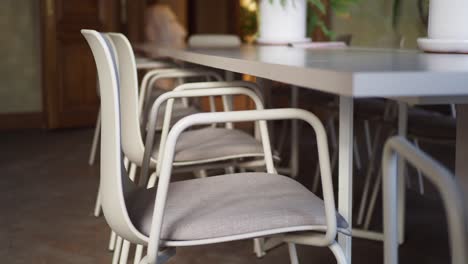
[
  {"x": 232, "y": 204},
  {"x": 214, "y": 143}
]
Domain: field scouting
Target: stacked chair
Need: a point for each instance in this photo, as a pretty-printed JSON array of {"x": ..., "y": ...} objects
[
  {"x": 199, "y": 149},
  {"x": 162, "y": 217},
  {"x": 141, "y": 64},
  {"x": 424, "y": 125},
  {"x": 443, "y": 180}
]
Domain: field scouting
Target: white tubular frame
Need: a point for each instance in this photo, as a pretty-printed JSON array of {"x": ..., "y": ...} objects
[
  {"x": 155, "y": 75},
  {"x": 225, "y": 84},
  {"x": 327, "y": 239},
  {"x": 396, "y": 148},
  {"x": 188, "y": 94}
]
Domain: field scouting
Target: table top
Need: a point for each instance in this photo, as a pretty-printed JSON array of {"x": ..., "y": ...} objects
[{"x": 356, "y": 72}]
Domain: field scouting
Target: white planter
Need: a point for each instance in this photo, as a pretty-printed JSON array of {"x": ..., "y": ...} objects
[
  {"x": 282, "y": 24},
  {"x": 448, "y": 19}
]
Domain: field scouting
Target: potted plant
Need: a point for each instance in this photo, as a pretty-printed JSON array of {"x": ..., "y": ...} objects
[{"x": 285, "y": 21}]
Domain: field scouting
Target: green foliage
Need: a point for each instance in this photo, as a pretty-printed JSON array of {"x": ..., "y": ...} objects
[
  {"x": 248, "y": 22},
  {"x": 396, "y": 12},
  {"x": 423, "y": 10},
  {"x": 314, "y": 20}
]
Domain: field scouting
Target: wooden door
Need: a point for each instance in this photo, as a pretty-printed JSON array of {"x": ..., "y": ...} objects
[{"x": 69, "y": 71}]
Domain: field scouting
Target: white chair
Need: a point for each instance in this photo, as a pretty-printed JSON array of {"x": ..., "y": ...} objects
[
  {"x": 131, "y": 213},
  {"x": 423, "y": 126},
  {"x": 444, "y": 181},
  {"x": 165, "y": 71},
  {"x": 245, "y": 145},
  {"x": 131, "y": 134},
  {"x": 141, "y": 63},
  {"x": 194, "y": 41}
]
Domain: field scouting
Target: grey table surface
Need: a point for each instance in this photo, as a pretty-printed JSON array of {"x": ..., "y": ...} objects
[
  {"x": 405, "y": 75},
  {"x": 355, "y": 72}
]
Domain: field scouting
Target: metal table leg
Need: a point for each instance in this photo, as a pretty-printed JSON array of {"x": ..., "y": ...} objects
[{"x": 345, "y": 169}]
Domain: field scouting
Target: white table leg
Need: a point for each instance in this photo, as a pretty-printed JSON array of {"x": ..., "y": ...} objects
[
  {"x": 461, "y": 166},
  {"x": 402, "y": 131},
  {"x": 345, "y": 169}
]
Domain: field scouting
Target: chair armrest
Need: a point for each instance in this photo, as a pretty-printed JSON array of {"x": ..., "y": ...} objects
[
  {"x": 440, "y": 176},
  {"x": 170, "y": 96},
  {"x": 241, "y": 116},
  {"x": 222, "y": 84},
  {"x": 151, "y": 77}
]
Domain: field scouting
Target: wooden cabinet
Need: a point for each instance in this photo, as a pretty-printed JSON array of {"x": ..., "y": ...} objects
[{"x": 69, "y": 71}]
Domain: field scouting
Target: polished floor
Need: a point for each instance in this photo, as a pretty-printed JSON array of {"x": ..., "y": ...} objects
[{"x": 47, "y": 193}]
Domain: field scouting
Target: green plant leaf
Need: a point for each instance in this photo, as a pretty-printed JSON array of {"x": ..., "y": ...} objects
[
  {"x": 318, "y": 3},
  {"x": 342, "y": 6},
  {"x": 396, "y": 12}
]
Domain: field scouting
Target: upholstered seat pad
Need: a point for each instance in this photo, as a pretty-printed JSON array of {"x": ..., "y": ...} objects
[
  {"x": 214, "y": 143},
  {"x": 228, "y": 205}
]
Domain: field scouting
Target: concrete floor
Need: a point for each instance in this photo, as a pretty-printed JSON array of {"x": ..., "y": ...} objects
[{"x": 47, "y": 194}]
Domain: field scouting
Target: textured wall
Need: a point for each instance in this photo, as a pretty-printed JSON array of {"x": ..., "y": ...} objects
[
  {"x": 371, "y": 24},
  {"x": 20, "y": 87}
]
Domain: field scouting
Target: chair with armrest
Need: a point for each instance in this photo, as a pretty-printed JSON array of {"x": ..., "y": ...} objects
[
  {"x": 141, "y": 64},
  {"x": 443, "y": 180},
  {"x": 289, "y": 211},
  {"x": 245, "y": 145}
]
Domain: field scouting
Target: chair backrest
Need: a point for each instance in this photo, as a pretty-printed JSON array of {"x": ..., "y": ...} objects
[
  {"x": 443, "y": 180},
  {"x": 214, "y": 41},
  {"x": 132, "y": 141},
  {"x": 114, "y": 183}
]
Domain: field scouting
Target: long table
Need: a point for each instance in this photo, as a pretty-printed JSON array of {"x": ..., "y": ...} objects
[{"x": 406, "y": 76}]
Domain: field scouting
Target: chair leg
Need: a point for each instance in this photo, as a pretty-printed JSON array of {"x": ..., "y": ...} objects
[
  {"x": 370, "y": 169},
  {"x": 97, "y": 207},
  {"x": 138, "y": 254},
  {"x": 152, "y": 180},
  {"x": 293, "y": 253},
  {"x": 294, "y": 161},
  {"x": 373, "y": 200},
  {"x": 112, "y": 239},
  {"x": 367, "y": 137},
  {"x": 132, "y": 172},
  {"x": 201, "y": 174},
  {"x": 124, "y": 252},
  {"x": 365, "y": 194},
  {"x": 357, "y": 154},
  {"x": 118, "y": 247},
  {"x": 97, "y": 131},
  {"x": 258, "y": 247},
  {"x": 338, "y": 253},
  {"x": 282, "y": 137},
  {"x": 420, "y": 176},
  {"x": 230, "y": 170}
]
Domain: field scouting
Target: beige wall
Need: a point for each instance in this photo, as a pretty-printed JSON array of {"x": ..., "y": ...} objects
[
  {"x": 371, "y": 24},
  {"x": 20, "y": 87}
]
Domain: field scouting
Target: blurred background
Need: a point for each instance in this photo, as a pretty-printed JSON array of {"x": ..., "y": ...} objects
[{"x": 47, "y": 75}]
